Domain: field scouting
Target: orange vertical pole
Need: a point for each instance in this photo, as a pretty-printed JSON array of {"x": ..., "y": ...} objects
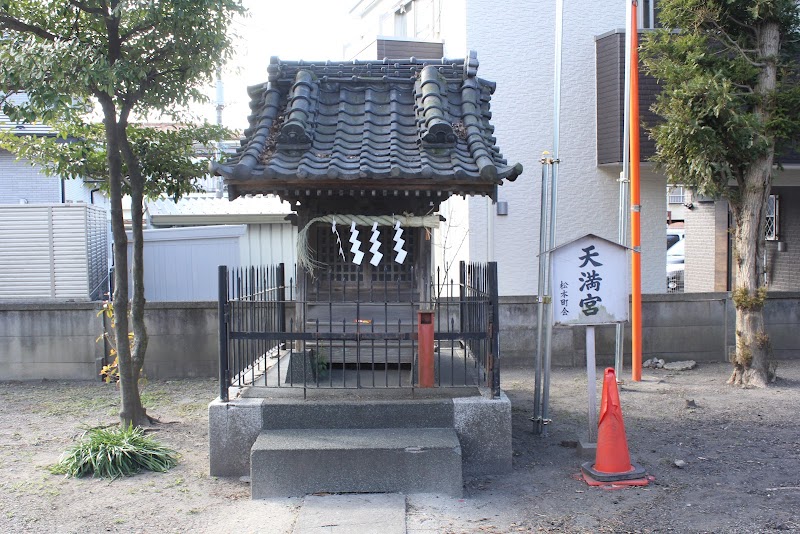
[
  {"x": 425, "y": 367},
  {"x": 636, "y": 231}
]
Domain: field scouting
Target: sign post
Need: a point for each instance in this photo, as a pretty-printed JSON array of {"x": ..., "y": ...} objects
[{"x": 589, "y": 278}]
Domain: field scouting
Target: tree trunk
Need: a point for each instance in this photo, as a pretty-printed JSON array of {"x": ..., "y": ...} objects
[
  {"x": 131, "y": 412},
  {"x": 751, "y": 365},
  {"x": 752, "y": 343},
  {"x": 137, "y": 212}
]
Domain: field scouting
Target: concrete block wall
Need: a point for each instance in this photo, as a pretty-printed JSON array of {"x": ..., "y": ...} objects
[
  {"x": 184, "y": 340},
  {"x": 50, "y": 340},
  {"x": 58, "y": 340},
  {"x": 675, "y": 327}
]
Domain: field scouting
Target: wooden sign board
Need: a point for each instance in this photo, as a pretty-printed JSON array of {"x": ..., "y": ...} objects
[{"x": 589, "y": 282}]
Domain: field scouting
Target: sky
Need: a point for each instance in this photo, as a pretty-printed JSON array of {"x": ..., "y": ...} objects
[{"x": 289, "y": 29}]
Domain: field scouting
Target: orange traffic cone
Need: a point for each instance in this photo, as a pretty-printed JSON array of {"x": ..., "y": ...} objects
[{"x": 612, "y": 463}]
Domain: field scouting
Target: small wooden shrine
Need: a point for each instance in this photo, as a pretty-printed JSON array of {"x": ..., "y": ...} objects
[{"x": 365, "y": 147}]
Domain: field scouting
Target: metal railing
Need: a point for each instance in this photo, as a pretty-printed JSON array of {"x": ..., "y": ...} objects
[{"x": 345, "y": 332}]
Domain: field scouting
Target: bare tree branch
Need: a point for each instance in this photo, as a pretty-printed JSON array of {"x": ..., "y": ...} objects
[
  {"x": 745, "y": 88},
  {"x": 735, "y": 45},
  {"x": 142, "y": 28},
  {"x": 12, "y": 23},
  {"x": 741, "y": 24}
]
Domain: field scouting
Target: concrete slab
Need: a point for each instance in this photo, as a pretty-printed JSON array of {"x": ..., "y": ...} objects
[
  {"x": 296, "y": 462},
  {"x": 352, "y": 514}
]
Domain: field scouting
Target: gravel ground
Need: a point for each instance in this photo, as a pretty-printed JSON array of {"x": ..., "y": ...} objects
[{"x": 741, "y": 450}]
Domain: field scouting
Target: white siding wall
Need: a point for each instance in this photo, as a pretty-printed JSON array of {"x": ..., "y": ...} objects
[
  {"x": 270, "y": 244},
  {"x": 515, "y": 48},
  {"x": 20, "y": 180},
  {"x": 180, "y": 264},
  {"x": 46, "y": 251}
]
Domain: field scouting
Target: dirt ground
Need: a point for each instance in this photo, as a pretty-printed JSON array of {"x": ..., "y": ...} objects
[{"x": 741, "y": 450}]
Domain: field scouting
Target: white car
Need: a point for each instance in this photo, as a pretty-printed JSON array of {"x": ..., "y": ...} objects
[
  {"x": 675, "y": 266},
  {"x": 674, "y": 235}
]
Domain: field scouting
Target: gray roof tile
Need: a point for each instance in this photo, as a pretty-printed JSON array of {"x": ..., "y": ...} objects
[{"x": 377, "y": 124}]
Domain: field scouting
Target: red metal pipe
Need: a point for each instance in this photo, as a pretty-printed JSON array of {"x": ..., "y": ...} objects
[{"x": 425, "y": 368}]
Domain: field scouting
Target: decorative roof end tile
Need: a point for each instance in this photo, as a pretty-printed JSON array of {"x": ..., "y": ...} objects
[
  {"x": 296, "y": 133},
  {"x": 434, "y": 130}
]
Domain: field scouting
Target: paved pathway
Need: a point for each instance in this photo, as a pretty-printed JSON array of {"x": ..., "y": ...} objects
[{"x": 368, "y": 513}]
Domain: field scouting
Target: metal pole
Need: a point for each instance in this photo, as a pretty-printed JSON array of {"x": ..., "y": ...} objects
[
  {"x": 489, "y": 229},
  {"x": 553, "y": 203},
  {"x": 591, "y": 385},
  {"x": 222, "y": 307},
  {"x": 624, "y": 199},
  {"x": 725, "y": 354},
  {"x": 540, "y": 295},
  {"x": 636, "y": 237}
]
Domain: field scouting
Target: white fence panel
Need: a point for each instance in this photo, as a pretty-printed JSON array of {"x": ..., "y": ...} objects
[
  {"x": 45, "y": 251},
  {"x": 70, "y": 253}
]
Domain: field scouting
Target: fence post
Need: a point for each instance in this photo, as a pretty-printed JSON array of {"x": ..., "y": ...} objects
[
  {"x": 462, "y": 294},
  {"x": 281, "y": 280},
  {"x": 222, "y": 309},
  {"x": 494, "y": 327}
]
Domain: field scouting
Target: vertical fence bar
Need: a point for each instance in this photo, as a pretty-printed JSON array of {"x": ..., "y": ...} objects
[
  {"x": 494, "y": 327},
  {"x": 462, "y": 287},
  {"x": 358, "y": 328},
  {"x": 222, "y": 306},
  {"x": 280, "y": 282}
]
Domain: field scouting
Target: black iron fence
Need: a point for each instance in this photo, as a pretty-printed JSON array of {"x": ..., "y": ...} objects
[{"x": 360, "y": 331}]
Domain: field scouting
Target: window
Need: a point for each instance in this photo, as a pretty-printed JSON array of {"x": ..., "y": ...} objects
[
  {"x": 648, "y": 14},
  {"x": 771, "y": 223},
  {"x": 404, "y": 20},
  {"x": 675, "y": 194}
]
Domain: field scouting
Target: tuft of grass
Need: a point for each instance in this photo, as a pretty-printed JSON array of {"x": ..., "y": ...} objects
[{"x": 113, "y": 453}]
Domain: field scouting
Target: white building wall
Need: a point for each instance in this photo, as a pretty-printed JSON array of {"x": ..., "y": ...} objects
[
  {"x": 78, "y": 191},
  {"x": 453, "y": 27},
  {"x": 20, "y": 182},
  {"x": 451, "y": 239},
  {"x": 654, "y": 224},
  {"x": 515, "y": 48}
]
